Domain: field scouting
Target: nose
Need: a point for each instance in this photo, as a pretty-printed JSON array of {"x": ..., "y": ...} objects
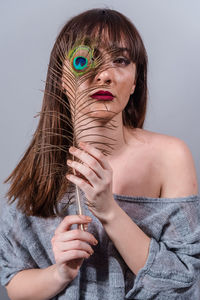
[{"x": 104, "y": 77}]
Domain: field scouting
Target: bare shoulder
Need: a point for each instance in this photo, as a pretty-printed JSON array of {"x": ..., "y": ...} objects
[{"x": 176, "y": 165}]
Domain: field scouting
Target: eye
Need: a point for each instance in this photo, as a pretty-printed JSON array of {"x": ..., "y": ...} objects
[{"x": 122, "y": 61}]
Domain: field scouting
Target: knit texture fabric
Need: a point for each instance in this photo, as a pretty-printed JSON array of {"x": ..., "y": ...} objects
[{"x": 172, "y": 268}]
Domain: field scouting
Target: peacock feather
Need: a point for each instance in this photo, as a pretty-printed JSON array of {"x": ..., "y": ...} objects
[{"x": 68, "y": 117}]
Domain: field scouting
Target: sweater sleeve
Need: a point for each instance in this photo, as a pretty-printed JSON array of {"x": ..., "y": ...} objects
[
  {"x": 172, "y": 268},
  {"x": 14, "y": 256}
]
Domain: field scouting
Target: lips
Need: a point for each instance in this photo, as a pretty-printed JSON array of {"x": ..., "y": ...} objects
[{"x": 103, "y": 95}]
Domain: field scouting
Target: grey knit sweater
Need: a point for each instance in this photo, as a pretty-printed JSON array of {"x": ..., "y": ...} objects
[{"x": 171, "y": 271}]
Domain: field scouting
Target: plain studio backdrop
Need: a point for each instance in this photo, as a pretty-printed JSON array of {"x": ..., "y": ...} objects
[{"x": 171, "y": 34}]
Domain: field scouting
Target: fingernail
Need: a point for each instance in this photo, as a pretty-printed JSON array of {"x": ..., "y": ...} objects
[
  {"x": 83, "y": 217},
  {"x": 72, "y": 149},
  {"x": 95, "y": 242}
]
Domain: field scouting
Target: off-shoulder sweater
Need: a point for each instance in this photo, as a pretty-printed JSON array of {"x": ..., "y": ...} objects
[{"x": 171, "y": 271}]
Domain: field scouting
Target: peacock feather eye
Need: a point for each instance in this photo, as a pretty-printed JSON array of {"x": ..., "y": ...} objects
[
  {"x": 81, "y": 59},
  {"x": 80, "y": 63}
]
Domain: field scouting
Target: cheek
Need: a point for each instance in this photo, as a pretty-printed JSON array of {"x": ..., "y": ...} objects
[
  {"x": 126, "y": 86},
  {"x": 126, "y": 79},
  {"x": 81, "y": 88}
]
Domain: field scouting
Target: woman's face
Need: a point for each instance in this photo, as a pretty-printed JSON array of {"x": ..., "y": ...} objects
[{"x": 118, "y": 79}]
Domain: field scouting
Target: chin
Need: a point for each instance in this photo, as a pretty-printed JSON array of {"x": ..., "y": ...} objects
[{"x": 107, "y": 115}]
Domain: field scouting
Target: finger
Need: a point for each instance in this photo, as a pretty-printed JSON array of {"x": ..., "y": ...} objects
[
  {"x": 86, "y": 187},
  {"x": 75, "y": 245},
  {"x": 87, "y": 158},
  {"x": 68, "y": 221},
  {"x": 77, "y": 234},
  {"x": 70, "y": 255},
  {"x": 85, "y": 170},
  {"x": 97, "y": 154}
]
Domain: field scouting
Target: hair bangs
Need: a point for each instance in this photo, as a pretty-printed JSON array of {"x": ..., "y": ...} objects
[{"x": 106, "y": 28}]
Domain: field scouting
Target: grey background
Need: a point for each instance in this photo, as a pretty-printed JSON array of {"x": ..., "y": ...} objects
[{"x": 171, "y": 34}]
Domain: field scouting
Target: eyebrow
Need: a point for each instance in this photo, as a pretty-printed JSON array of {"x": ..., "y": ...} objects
[
  {"x": 117, "y": 51},
  {"x": 123, "y": 50}
]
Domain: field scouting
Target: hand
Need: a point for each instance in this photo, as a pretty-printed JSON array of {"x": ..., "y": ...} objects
[
  {"x": 70, "y": 247},
  {"x": 97, "y": 184}
]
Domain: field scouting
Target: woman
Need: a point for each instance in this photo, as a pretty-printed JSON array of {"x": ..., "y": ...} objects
[{"x": 141, "y": 224}]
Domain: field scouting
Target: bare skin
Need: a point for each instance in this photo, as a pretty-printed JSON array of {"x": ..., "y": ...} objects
[
  {"x": 143, "y": 158},
  {"x": 155, "y": 162},
  {"x": 140, "y": 165},
  {"x": 143, "y": 164},
  {"x": 147, "y": 156}
]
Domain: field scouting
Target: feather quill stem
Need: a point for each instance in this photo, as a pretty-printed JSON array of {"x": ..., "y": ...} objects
[{"x": 78, "y": 119}]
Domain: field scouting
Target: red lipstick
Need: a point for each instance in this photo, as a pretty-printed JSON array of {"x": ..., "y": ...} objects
[{"x": 102, "y": 95}]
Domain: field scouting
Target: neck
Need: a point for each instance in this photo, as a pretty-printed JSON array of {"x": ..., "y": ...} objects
[{"x": 104, "y": 134}]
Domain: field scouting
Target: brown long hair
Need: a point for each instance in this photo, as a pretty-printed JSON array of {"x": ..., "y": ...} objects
[{"x": 37, "y": 188}]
